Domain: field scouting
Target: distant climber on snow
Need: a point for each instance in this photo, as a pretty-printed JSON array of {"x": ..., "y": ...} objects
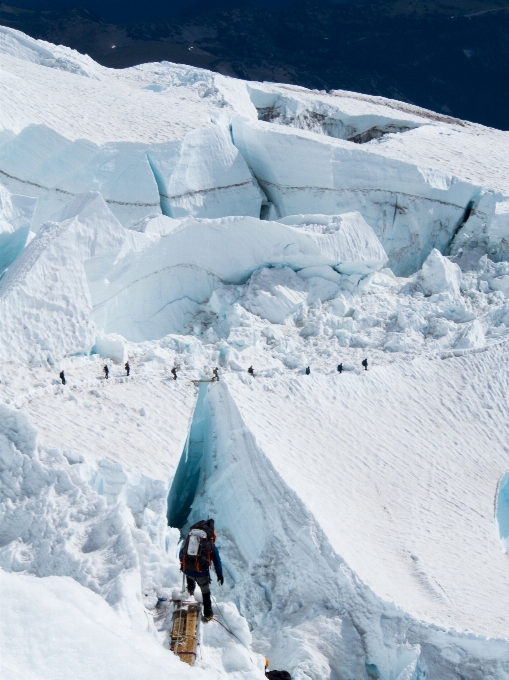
[
  {"x": 174, "y": 372},
  {"x": 365, "y": 364},
  {"x": 215, "y": 373},
  {"x": 196, "y": 555},
  {"x": 340, "y": 368},
  {"x": 62, "y": 377},
  {"x": 308, "y": 370},
  {"x": 127, "y": 368},
  {"x": 250, "y": 370},
  {"x": 106, "y": 371}
]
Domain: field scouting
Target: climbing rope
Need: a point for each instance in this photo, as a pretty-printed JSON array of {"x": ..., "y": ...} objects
[{"x": 228, "y": 629}]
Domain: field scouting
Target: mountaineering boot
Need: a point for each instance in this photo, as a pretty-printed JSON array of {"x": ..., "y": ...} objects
[
  {"x": 207, "y": 607},
  {"x": 190, "y": 586}
]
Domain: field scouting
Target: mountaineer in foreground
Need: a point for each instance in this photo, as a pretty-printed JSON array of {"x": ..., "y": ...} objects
[{"x": 196, "y": 555}]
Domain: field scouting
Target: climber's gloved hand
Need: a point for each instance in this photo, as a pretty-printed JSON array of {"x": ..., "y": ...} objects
[{"x": 220, "y": 579}]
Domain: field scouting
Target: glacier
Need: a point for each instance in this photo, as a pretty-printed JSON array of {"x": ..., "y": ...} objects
[{"x": 181, "y": 219}]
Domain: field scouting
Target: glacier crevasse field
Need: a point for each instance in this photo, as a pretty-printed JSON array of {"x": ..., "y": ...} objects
[{"x": 174, "y": 217}]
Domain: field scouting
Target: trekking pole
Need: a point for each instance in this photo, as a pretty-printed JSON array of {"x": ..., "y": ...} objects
[{"x": 183, "y": 583}]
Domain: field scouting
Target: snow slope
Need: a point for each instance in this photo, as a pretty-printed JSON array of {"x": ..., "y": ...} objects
[
  {"x": 310, "y": 478},
  {"x": 85, "y": 632},
  {"x": 406, "y": 491},
  {"x": 177, "y": 218}
]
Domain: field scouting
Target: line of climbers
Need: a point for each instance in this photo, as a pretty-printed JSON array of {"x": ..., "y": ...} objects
[
  {"x": 364, "y": 363},
  {"x": 197, "y": 554},
  {"x": 106, "y": 372},
  {"x": 215, "y": 371}
]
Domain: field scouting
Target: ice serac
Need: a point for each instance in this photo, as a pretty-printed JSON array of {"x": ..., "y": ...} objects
[
  {"x": 410, "y": 209},
  {"x": 101, "y": 278},
  {"x": 328, "y": 115},
  {"x": 353, "y": 243},
  {"x": 157, "y": 291},
  {"x": 45, "y": 298},
  {"x": 439, "y": 275},
  {"x": 16, "y": 215},
  {"x": 234, "y": 247},
  {"x": 485, "y": 225},
  {"x": 204, "y": 175},
  {"x": 275, "y": 294},
  {"x": 42, "y": 163},
  {"x": 472, "y": 336}
]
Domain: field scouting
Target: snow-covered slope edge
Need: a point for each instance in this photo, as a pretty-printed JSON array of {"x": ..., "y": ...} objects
[{"x": 303, "y": 600}]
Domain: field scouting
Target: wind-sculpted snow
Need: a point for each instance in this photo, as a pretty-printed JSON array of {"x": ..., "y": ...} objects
[{"x": 19, "y": 45}]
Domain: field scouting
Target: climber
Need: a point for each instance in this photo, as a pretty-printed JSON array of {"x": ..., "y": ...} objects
[
  {"x": 365, "y": 364},
  {"x": 215, "y": 373},
  {"x": 127, "y": 368},
  {"x": 174, "y": 372},
  {"x": 340, "y": 368},
  {"x": 308, "y": 370},
  {"x": 62, "y": 377},
  {"x": 250, "y": 370},
  {"x": 196, "y": 555},
  {"x": 106, "y": 371}
]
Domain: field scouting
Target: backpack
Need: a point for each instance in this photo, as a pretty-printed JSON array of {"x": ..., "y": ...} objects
[
  {"x": 199, "y": 546},
  {"x": 278, "y": 675}
]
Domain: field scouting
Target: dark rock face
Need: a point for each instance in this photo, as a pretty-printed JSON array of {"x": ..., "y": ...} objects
[{"x": 450, "y": 56}]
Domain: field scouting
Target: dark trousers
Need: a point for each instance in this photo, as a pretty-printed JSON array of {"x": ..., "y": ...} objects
[{"x": 204, "y": 583}]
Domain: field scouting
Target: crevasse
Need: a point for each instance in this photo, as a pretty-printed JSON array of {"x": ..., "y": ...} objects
[
  {"x": 187, "y": 476},
  {"x": 502, "y": 514}
]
